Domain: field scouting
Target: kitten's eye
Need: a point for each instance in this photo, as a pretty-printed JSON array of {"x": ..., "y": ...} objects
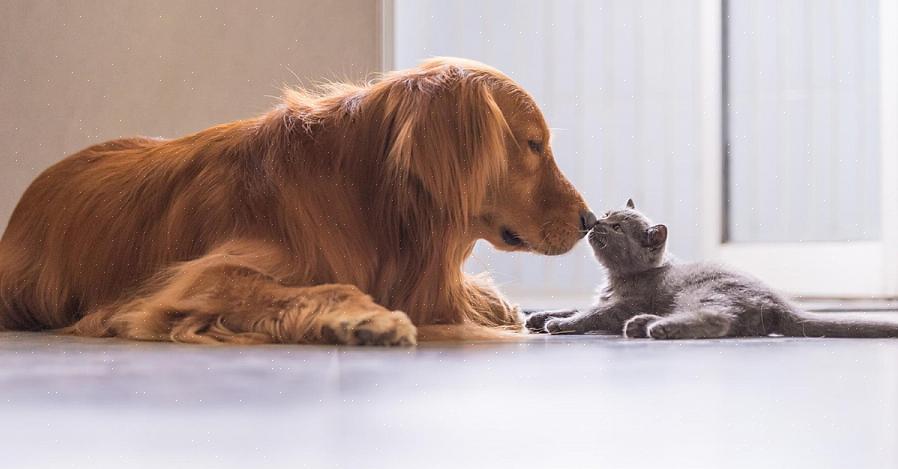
[
  {"x": 537, "y": 147},
  {"x": 616, "y": 227}
]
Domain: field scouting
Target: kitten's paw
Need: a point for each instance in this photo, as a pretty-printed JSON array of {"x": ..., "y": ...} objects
[
  {"x": 536, "y": 322},
  {"x": 559, "y": 326},
  {"x": 637, "y": 326},
  {"x": 666, "y": 330}
]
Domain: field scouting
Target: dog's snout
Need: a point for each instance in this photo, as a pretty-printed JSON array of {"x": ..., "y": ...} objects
[{"x": 587, "y": 220}]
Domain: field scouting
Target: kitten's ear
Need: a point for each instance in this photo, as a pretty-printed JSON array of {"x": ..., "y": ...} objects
[
  {"x": 655, "y": 236},
  {"x": 630, "y": 203}
]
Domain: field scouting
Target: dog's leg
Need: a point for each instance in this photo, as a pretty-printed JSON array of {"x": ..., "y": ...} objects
[
  {"x": 488, "y": 306},
  {"x": 236, "y": 295}
]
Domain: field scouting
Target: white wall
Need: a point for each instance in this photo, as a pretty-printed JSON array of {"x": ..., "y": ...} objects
[
  {"x": 618, "y": 82},
  {"x": 79, "y": 72}
]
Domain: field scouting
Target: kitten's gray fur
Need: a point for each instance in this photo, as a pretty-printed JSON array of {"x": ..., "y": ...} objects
[{"x": 648, "y": 294}]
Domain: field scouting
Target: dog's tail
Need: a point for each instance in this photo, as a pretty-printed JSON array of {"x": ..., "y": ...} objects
[
  {"x": 796, "y": 323},
  {"x": 468, "y": 332}
]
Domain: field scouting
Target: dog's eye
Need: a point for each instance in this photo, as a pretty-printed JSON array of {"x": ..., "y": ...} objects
[
  {"x": 537, "y": 147},
  {"x": 616, "y": 227}
]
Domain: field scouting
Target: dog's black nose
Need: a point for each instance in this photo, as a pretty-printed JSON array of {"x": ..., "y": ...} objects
[{"x": 587, "y": 220}]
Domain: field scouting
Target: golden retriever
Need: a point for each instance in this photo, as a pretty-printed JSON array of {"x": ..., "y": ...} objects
[{"x": 342, "y": 216}]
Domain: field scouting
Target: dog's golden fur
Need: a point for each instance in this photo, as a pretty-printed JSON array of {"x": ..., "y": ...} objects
[{"x": 342, "y": 216}]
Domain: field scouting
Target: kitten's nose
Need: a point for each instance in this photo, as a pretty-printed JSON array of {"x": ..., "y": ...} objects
[{"x": 587, "y": 220}]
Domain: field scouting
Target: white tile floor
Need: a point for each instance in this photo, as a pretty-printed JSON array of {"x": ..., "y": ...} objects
[{"x": 587, "y": 401}]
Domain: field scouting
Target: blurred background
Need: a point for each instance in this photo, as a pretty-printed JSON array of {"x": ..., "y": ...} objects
[{"x": 762, "y": 132}]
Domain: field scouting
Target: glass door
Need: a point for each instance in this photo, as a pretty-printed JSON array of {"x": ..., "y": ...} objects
[{"x": 808, "y": 162}]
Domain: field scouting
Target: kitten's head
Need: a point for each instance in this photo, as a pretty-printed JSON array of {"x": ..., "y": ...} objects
[{"x": 625, "y": 241}]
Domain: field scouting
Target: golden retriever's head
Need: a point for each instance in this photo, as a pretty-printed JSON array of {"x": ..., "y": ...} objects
[{"x": 469, "y": 139}]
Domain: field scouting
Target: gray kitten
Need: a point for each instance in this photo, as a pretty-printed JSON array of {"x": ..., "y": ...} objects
[{"x": 650, "y": 295}]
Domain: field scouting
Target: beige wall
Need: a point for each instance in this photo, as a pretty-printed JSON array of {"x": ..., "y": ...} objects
[{"x": 75, "y": 73}]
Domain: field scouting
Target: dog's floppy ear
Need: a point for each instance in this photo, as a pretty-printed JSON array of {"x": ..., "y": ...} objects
[{"x": 447, "y": 137}]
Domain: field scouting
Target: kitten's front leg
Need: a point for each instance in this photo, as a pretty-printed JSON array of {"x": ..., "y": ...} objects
[
  {"x": 536, "y": 322},
  {"x": 637, "y": 326},
  {"x": 604, "y": 318}
]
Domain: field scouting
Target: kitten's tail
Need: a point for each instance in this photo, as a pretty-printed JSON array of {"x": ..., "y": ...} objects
[{"x": 796, "y": 323}]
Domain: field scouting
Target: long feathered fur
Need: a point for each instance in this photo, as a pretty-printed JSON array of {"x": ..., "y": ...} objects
[{"x": 373, "y": 186}]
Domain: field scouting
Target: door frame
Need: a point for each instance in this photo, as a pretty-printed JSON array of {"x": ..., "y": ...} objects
[
  {"x": 808, "y": 269},
  {"x": 386, "y": 33}
]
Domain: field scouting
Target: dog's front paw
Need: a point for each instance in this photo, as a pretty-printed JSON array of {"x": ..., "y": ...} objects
[
  {"x": 637, "y": 326},
  {"x": 379, "y": 328}
]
